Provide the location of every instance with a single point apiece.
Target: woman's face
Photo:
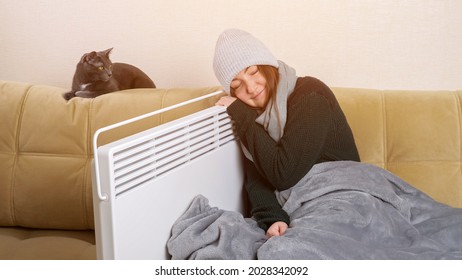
(250, 87)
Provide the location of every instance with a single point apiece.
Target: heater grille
(162, 151)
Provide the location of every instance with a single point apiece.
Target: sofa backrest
(45, 143)
(46, 153)
(413, 134)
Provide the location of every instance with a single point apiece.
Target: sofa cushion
(46, 150)
(416, 135)
(27, 244)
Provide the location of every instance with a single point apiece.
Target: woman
(286, 124)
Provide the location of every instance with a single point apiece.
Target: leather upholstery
(413, 134)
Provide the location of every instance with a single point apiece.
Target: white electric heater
(144, 182)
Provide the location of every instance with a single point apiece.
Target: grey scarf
(274, 118)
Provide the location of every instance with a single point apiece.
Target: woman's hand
(225, 101)
(276, 229)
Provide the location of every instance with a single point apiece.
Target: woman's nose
(251, 86)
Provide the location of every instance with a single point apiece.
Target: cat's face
(97, 65)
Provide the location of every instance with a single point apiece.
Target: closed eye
(235, 84)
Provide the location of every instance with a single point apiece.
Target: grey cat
(96, 75)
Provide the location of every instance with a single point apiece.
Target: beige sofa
(46, 209)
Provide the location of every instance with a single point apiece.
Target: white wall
(387, 44)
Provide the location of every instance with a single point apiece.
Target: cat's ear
(107, 52)
(88, 56)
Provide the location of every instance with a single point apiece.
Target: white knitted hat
(236, 50)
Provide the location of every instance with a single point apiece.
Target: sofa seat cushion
(23, 244)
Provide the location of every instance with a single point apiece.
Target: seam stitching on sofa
(162, 105)
(459, 102)
(87, 162)
(44, 154)
(384, 140)
(422, 161)
(16, 156)
(460, 133)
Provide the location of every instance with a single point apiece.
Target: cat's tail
(69, 95)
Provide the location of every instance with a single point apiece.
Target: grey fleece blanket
(339, 210)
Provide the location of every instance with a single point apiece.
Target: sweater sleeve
(264, 206)
(285, 162)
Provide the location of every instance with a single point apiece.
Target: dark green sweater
(316, 131)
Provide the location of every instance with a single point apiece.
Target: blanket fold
(205, 232)
(339, 210)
